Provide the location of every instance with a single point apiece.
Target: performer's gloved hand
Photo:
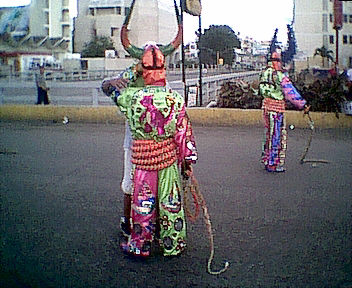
(109, 86)
(306, 109)
(186, 169)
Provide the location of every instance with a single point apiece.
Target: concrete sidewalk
(199, 116)
(61, 202)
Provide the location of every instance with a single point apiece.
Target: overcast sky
(254, 18)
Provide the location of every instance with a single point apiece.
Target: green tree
(323, 52)
(218, 42)
(97, 46)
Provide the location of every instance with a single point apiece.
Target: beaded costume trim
(274, 105)
(152, 155)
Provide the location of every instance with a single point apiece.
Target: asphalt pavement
(61, 202)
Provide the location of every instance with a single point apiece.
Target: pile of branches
(324, 95)
(239, 94)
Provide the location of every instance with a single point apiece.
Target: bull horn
(171, 47)
(134, 51)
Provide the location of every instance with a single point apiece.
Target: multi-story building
(191, 52)
(149, 21)
(313, 25)
(51, 18)
(35, 34)
(252, 54)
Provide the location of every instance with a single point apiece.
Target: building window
(345, 18)
(91, 11)
(350, 18)
(331, 39)
(114, 31)
(344, 39)
(46, 18)
(65, 32)
(350, 39)
(325, 23)
(331, 18)
(325, 5)
(127, 10)
(118, 10)
(105, 11)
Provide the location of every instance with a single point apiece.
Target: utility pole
(200, 91)
(337, 48)
(183, 60)
(338, 14)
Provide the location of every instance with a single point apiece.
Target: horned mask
(152, 55)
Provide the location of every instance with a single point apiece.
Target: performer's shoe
(124, 226)
(131, 250)
(280, 169)
(275, 169)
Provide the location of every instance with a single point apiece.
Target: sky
(257, 19)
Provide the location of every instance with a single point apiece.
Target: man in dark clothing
(41, 87)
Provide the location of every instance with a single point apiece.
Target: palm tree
(324, 53)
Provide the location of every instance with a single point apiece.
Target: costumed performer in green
(275, 87)
(163, 144)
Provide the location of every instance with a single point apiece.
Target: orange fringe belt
(152, 155)
(270, 104)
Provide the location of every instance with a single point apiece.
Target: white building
(191, 51)
(40, 33)
(149, 21)
(313, 26)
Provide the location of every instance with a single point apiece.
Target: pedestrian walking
(42, 88)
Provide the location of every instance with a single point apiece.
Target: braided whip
(303, 160)
(191, 185)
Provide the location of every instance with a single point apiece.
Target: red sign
(338, 14)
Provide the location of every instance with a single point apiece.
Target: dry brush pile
(240, 94)
(324, 94)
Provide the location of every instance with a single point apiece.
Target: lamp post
(200, 63)
(183, 61)
(338, 14)
(195, 10)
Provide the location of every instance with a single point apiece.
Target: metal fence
(79, 75)
(22, 90)
(211, 85)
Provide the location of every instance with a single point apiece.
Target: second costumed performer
(276, 87)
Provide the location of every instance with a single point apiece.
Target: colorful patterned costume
(275, 87)
(162, 139)
(162, 142)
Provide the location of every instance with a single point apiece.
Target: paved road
(61, 202)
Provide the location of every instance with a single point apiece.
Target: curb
(198, 116)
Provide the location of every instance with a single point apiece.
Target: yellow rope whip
(191, 186)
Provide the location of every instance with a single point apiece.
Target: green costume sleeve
(124, 102)
(270, 84)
